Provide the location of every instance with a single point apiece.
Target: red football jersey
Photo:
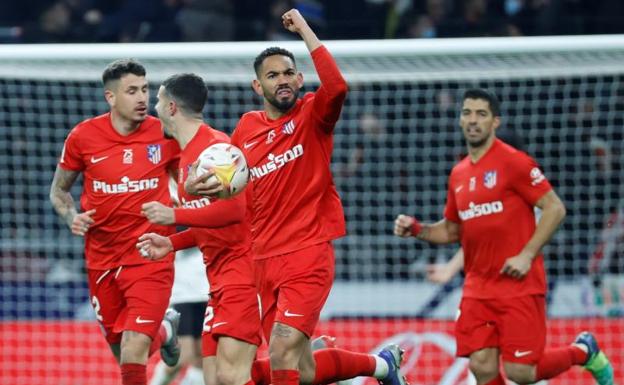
(493, 201)
(120, 174)
(295, 203)
(227, 249)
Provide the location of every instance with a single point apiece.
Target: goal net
(398, 138)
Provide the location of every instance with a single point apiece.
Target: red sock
(556, 361)
(160, 337)
(337, 364)
(261, 372)
(284, 377)
(133, 374)
(499, 380)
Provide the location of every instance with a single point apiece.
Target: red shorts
(516, 326)
(131, 297)
(293, 287)
(233, 311)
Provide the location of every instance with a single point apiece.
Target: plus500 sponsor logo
(195, 203)
(276, 162)
(475, 211)
(126, 186)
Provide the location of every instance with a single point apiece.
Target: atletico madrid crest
(153, 153)
(489, 179)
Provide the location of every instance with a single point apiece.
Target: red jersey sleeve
(71, 158)
(182, 240)
(450, 210)
(528, 180)
(220, 213)
(330, 96)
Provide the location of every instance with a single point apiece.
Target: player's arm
(331, 94)
(444, 272)
(553, 212)
(223, 212)
(63, 202)
(441, 232)
(155, 246)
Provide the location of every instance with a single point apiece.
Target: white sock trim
(381, 368)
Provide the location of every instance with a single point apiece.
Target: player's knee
(483, 369)
(519, 373)
(134, 347)
(230, 375)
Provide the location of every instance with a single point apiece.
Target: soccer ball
(229, 166)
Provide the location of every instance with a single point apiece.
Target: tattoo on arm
(281, 330)
(59, 194)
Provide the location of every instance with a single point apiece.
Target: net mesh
(395, 144)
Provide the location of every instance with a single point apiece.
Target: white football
(229, 166)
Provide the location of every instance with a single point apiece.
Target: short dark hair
(271, 51)
(119, 68)
(490, 97)
(188, 91)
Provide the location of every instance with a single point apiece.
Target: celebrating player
(296, 213)
(232, 323)
(489, 209)
(125, 161)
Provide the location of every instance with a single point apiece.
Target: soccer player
(232, 324)
(296, 213)
(188, 296)
(125, 161)
(490, 204)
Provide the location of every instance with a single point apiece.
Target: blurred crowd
(67, 21)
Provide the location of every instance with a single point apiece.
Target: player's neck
(186, 131)
(123, 126)
(476, 153)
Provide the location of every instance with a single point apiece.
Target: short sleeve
(71, 158)
(528, 180)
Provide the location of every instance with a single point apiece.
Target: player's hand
(518, 266)
(81, 222)
(403, 225)
(293, 21)
(157, 213)
(440, 273)
(202, 185)
(154, 246)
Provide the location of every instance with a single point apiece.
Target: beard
(283, 105)
(167, 135)
(477, 142)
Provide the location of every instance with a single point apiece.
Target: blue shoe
(597, 362)
(170, 349)
(393, 355)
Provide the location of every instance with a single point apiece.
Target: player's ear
(299, 79)
(257, 87)
(496, 122)
(173, 108)
(110, 97)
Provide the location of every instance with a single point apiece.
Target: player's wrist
(416, 227)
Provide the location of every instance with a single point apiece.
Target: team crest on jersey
(153, 153)
(289, 128)
(489, 179)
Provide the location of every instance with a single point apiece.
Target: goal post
(397, 139)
